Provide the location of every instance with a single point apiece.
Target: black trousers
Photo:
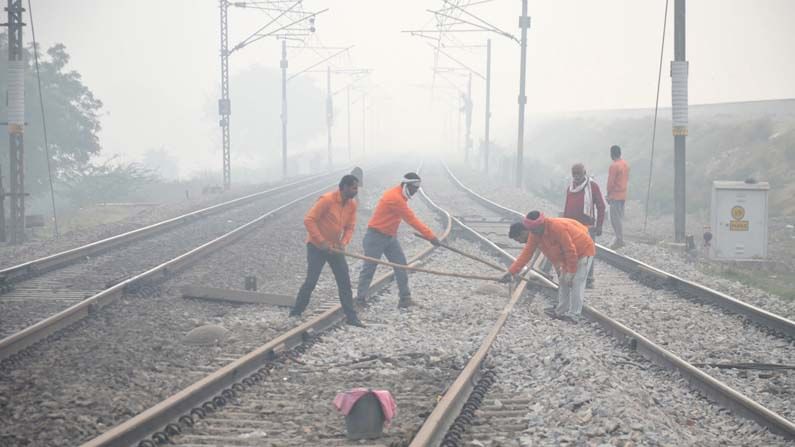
(315, 260)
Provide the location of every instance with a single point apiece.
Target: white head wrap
(409, 181)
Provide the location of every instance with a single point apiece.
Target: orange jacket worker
(567, 245)
(330, 223)
(617, 181)
(381, 237)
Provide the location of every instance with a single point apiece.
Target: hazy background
(155, 66)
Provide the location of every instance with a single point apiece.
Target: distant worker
(330, 224)
(381, 236)
(585, 204)
(567, 245)
(617, 181)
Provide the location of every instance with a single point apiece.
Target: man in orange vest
(617, 180)
(381, 236)
(330, 224)
(567, 245)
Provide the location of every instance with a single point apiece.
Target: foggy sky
(154, 64)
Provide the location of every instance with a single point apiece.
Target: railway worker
(567, 245)
(585, 204)
(617, 180)
(330, 224)
(381, 236)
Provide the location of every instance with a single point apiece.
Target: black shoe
(405, 303)
(360, 301)
(589, 284)
(295, 314)
(355, 321)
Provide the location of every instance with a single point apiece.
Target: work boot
(360, 301)
(551, 313)
(570, 319)
(294, 313)
(405, 302)
(354, 321)
(617, 244)
(589, 283)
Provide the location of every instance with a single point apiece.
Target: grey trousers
(593, 238)
(570, 298)
(617, 219)
(376, 244)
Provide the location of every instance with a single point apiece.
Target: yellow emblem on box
(738, 212)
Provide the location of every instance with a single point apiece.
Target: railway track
(279, 393)
(50, 293)
(490, 413)
(136, 348)
(269, 395)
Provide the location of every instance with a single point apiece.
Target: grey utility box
(739, 220)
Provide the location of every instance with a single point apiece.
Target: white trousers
(570, 297)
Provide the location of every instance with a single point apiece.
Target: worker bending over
(567, 245)
(381, 236)
(330, 224)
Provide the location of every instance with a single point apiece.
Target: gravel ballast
(412, 353)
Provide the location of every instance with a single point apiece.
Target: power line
(43, 120)
(654, 126)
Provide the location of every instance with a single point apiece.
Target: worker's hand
(567, 278)
(323, 246)
(507, 278)
(597, 231)
(339, 246)
(435, 241)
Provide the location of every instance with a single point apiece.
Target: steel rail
(40, 330)
(159, 416)
(713, 388)
(36, 267)
(449, 406)
(686, 288)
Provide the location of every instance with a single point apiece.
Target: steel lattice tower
(224, 104)
(16, 119)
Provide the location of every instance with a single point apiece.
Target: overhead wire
(654, 126)
(43, 120)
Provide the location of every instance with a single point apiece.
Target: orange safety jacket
(391, 208)
(331, 221)
(564, 242)
(617, 180)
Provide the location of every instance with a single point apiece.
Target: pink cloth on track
(344, 401)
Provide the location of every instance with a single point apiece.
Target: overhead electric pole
(16, 120)
(524, 24)
(488, 108)
(284, 107)
(224, 104)
(679, 74)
